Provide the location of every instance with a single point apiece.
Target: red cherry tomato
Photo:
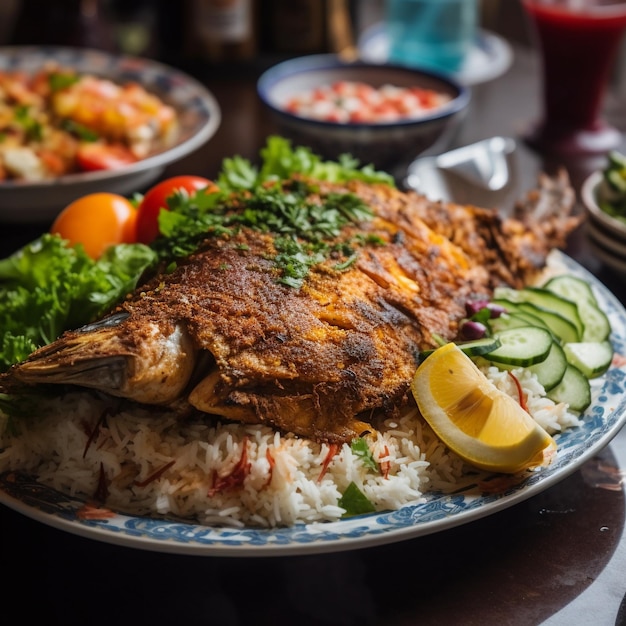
(97, 220)
(156, 199)
(99, 156)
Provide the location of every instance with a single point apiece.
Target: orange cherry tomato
(92, 157)
(156, 199)
(97, 221)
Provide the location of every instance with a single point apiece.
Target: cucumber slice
(480, 346)
(551, 370)
(514, 320)
(532, 320)
(522, 346)
(545, 300)
(596, 324)
(471, 348)
(573, 288)
(574, 389)
(562, 328)
(506, 321)
(592, 358)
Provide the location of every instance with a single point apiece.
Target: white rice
(286, 482)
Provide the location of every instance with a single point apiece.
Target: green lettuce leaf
(280, 160)
(47, 287)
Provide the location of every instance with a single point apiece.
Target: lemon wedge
(483, 425)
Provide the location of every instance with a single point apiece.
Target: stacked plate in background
(607, 235)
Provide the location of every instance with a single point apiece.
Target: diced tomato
(357, 102)
(93, 156)
(53, 162)
(362, 116)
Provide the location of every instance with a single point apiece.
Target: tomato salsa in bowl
(385, 115)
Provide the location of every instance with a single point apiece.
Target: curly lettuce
(280, 161)
(48, 287)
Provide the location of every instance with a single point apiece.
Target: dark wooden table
(558, 558)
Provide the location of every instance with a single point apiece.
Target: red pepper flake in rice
(235, 477)
(272, 464)
(92, 432)
(102, 490)
(333, 448)
(385, 464)
(520, 392)
(154, 476)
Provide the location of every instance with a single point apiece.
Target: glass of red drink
(578, 41)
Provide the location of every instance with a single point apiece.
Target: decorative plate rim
(602, 421)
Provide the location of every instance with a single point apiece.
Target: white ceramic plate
(602, 421)
(489, 57)
(198, 111)
(612, 245)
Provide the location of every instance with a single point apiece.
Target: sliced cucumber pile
(580, 330)
(557, 330)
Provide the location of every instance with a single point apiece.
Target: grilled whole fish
(223, 335)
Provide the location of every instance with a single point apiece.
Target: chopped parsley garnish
(361, 449)
(305, 224)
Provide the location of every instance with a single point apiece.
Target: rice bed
(158, 464)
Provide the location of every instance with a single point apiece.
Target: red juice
(579, 41)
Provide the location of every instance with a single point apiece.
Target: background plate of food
(75, 121)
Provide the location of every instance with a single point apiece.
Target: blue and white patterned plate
(198, 113)
(602, 421)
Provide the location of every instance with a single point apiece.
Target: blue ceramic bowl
(385, 144)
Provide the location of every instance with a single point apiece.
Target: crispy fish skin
(320, 361)
(513, 250)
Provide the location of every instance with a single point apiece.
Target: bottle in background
(223, 30)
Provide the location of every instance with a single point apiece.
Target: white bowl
(385, 144)
(589, 192)
(606, 234)
(198, 113)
